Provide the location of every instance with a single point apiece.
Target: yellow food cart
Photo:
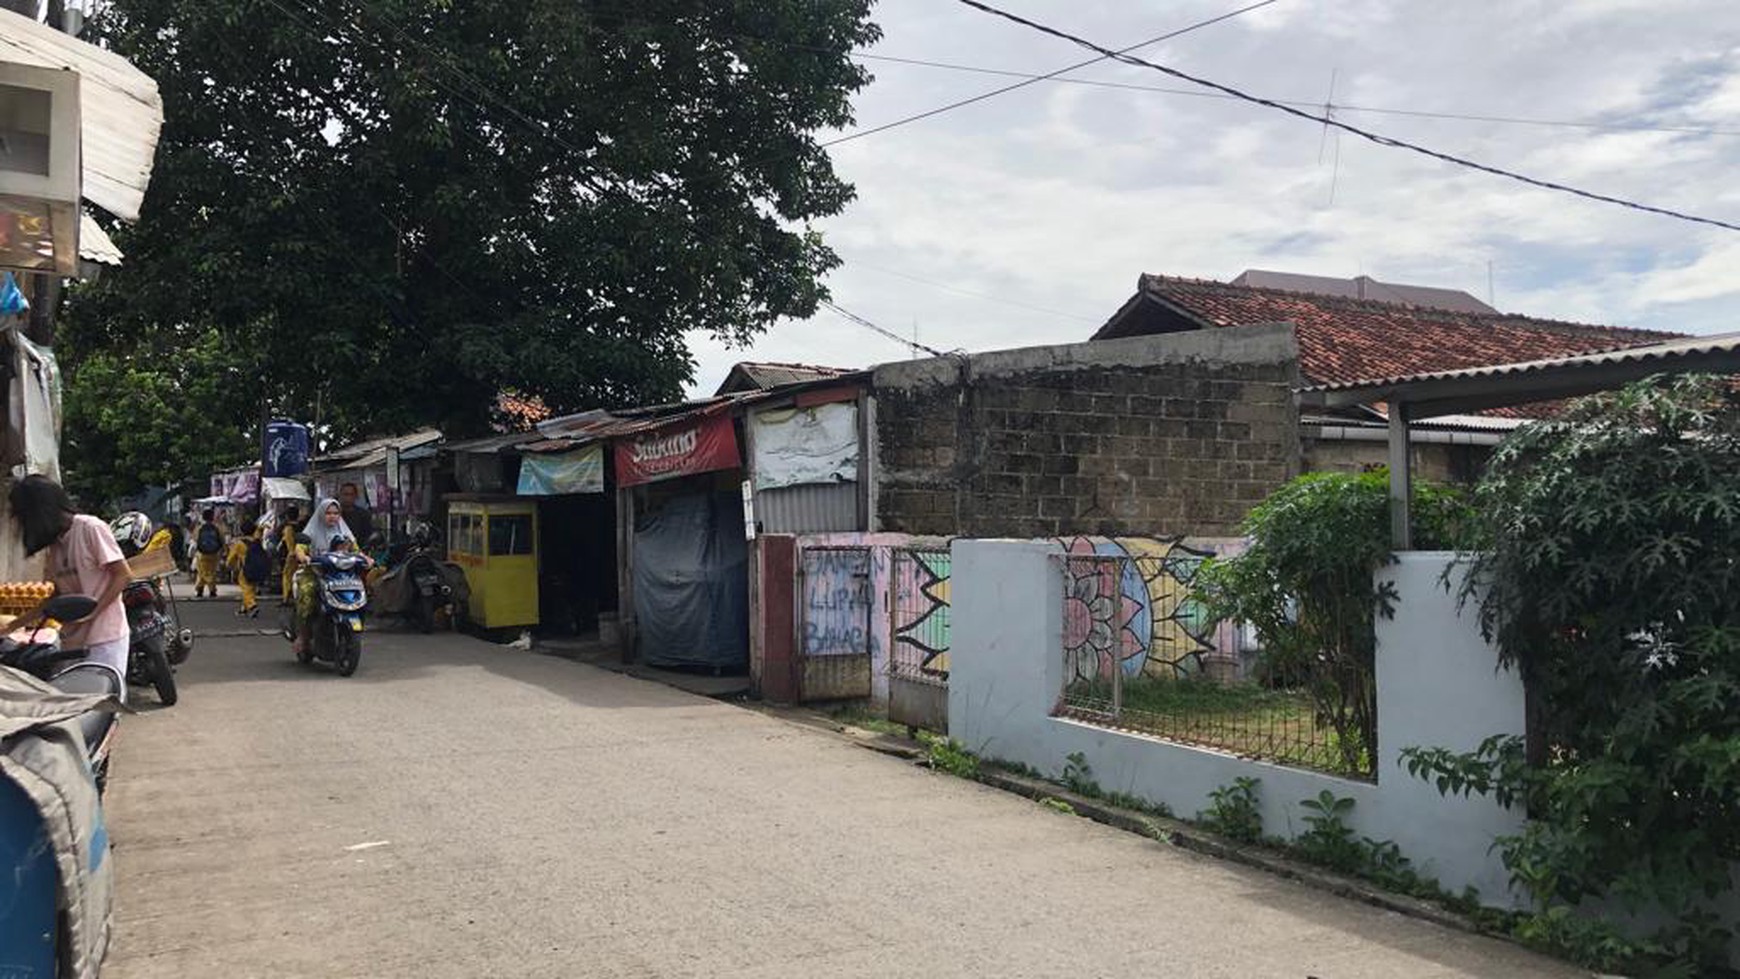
(495, 539)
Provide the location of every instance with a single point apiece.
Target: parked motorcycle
(340, 601)
(56, 889)
(132, 532)
(421, 587)
(36, 650)
(148, 641)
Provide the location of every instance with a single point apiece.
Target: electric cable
(1376, 110)
(1326, 120)
(1035, 79)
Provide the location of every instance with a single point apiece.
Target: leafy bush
(1232, 811)
(1610, 580)
(949, 755)
(1305, 584)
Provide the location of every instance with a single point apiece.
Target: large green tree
(390, 210)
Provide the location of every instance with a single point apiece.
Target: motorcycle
(148, 643)
(341, 599)
(420, 586)
(38, 935)
(132, 532)
(36, 650)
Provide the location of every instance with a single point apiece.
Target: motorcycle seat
(91, 678)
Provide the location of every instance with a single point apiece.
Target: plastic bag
(12, 299)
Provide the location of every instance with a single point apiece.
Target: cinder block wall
(1151, 435)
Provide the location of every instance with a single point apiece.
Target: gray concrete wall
(1149, 436)
(1438, 684)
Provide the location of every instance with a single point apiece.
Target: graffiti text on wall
(837, 601)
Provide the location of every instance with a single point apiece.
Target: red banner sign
(683, 448)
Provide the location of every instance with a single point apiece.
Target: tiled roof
(1344, 340)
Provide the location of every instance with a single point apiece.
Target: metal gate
(835, 602)
(919, 634)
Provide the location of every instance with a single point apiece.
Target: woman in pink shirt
(83, 559)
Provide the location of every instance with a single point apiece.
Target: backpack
(256, 563)
(211, 540)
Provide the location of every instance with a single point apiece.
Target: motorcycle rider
(83, 559)
(324, 527)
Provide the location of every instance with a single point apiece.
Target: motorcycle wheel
(423, 613)
(349, 652)
(162, 675)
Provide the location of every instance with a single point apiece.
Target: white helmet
(131, 529)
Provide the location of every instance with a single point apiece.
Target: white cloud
(1059, 196)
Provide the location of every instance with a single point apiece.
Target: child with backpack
(208, 553)
(251, 567)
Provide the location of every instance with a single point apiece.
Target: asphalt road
(460, 809)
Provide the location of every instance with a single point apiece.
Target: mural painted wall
(920, 629)
(832, 593)
(890, 595)
(1132, 608)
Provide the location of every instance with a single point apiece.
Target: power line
(1339, 107)
(982, 96)
(890, 334)
(1366, 134)
(976, 295)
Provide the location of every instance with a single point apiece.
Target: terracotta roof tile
(1343, 339)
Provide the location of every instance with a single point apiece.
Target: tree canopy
(390, 210)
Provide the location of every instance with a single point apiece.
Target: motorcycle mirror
(69, 608)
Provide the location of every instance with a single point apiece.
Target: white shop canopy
(120, 110)
(281, 488)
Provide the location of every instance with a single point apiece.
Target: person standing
(250, 566)
(208, 546)
(292, 523)
(356, 516)
(83, 559)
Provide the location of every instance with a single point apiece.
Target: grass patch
(1245, 718)
(860, 716)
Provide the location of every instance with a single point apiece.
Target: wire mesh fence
(1123, 672)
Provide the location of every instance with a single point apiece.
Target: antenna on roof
(1328, 114)
(1491, 295)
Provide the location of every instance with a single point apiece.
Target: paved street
(459, 809)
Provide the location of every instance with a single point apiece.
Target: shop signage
(683, 448)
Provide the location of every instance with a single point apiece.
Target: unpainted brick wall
(1111, 449)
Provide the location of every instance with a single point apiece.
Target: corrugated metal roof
(754, 376)
(357, 450)
(94, 244)
(1664, 353)
(120, 110)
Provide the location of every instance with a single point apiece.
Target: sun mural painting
(1133, 612)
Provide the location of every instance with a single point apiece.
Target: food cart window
(510, 533)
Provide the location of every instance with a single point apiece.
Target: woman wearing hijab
(325, 525)
(83, 559)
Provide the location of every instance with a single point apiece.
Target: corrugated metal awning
(1470, 389)
(120, 110)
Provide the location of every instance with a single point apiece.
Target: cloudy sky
(1025, 219)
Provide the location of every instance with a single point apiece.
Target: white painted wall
(1438, 684)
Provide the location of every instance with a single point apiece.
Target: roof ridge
(1150, 279)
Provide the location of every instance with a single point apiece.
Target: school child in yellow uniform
(238, 561)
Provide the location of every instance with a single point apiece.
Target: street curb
(1185, 836)
(1160, 829)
